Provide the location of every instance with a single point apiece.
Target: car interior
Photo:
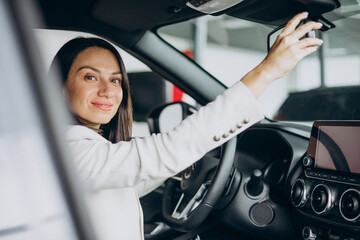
(293, 175)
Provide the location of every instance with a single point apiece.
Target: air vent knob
(309, 233)
(308, 161)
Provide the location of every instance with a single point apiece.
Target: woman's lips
(103, 106)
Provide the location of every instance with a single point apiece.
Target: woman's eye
(91, 78)
(116, 81)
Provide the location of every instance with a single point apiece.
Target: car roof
(125, 21)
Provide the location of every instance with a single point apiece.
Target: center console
(327, 193)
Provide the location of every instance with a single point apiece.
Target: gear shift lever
(255, 185)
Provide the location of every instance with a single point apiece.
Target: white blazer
(117, 174)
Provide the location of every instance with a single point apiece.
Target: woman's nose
(105, 89)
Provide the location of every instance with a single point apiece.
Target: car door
(39, 195)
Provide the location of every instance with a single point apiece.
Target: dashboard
(327, 192)
(297, 182)
(290, 181)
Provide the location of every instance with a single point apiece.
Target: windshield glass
(323, 86)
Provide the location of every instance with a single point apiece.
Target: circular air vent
(321, 199)
(298, 193)
(350, 205)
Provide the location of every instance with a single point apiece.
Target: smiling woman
(97, 86)
(93, 88)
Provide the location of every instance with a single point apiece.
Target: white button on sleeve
(216, 138)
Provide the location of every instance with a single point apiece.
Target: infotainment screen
(336, 146)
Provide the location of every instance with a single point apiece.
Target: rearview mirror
(167, 117)
(271, 38)
(275, 33)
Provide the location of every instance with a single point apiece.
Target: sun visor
(212, 6)
(278, 12)
(144, 14)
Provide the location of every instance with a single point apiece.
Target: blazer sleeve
(105, 165)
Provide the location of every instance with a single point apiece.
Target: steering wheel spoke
(176, 178)
(190, 205)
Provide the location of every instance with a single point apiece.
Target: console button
(334, 177)
(309, 173)
(325, 175)
(343, 179)
(334, 236)
(317, 174)
(352, 180)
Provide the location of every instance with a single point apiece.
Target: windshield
(323, 86)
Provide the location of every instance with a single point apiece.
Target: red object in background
(189, 53)
(177, 94)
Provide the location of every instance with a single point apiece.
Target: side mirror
(167, 117)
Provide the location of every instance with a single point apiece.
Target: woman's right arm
(105, 165)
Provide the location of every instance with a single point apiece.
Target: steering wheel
(200, 185)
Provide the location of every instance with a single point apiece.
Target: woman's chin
(94, 123)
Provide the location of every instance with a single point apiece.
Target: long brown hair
(120, 126)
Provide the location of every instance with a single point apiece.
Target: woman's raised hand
(289, 48)
(286, 52)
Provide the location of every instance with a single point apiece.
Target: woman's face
(93, 88)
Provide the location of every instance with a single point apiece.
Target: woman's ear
(65, 93)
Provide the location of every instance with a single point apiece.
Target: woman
(113, 164)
